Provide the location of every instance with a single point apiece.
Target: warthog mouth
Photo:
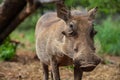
(88, 67)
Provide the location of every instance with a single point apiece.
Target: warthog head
(78, 42)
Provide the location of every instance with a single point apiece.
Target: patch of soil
(26, 67)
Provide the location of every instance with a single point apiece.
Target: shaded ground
(26, 67)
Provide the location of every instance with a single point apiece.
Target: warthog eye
(73, 30)
(71, 26)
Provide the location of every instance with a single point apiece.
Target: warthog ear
(92, 13)
(62, 11)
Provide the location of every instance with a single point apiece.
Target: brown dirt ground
(25, 67)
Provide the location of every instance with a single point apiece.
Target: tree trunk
(13, 12)
(9, 9)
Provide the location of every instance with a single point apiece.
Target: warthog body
(63, 42)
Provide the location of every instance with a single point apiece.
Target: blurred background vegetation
(107, 25)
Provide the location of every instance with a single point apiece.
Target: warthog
(66, 38)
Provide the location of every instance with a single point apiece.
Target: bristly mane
(78, 12)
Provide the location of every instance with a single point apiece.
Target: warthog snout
(87, 62)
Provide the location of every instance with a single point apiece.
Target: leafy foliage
(7, 50)
(105, 6)
(1, 1)
(75, 3)
(109, 36)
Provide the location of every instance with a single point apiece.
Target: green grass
(109, 36)
(7, 50)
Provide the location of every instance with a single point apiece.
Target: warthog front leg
(77, 73)
(45, 71)
(51, 75)
(55, 69)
